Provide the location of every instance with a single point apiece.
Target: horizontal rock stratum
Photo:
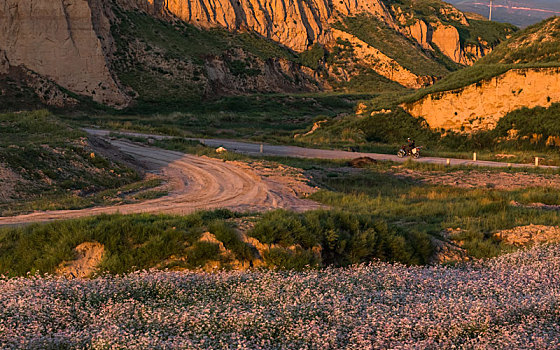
(481, 105)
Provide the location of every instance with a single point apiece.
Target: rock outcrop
(56, 39)
(446, 38)
(296, 24)
(379, 62)
(439, 30)
(4, 63)
(273, 75)
(481, 105)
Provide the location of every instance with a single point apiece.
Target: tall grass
(131, 242)
(412, 207)
(343, 237)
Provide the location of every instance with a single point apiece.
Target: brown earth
(481, 178)
(88, 256)
(529, 235)
(8, 182)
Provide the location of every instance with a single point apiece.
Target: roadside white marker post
(262, 148)
(509, 165)
(448, 162)
(474, 157)
(536, 161)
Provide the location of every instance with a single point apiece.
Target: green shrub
(131, 241)
(296, 259)
(225, 233)
(344, 238)
(202, 252)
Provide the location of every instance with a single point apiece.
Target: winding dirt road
(302, 152)
(197, 183)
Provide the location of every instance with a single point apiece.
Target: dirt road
(293, 151)
(197, 183)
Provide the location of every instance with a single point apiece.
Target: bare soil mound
(529, 235)
(88, 256)
(447, 252)
(361, 162)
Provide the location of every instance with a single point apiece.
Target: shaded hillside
(46, 164)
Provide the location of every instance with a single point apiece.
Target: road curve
(302, 152)
(197, 183)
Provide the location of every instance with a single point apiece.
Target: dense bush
(344, 238)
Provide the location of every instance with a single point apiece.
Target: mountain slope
(120, 52)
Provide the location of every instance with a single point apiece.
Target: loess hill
(138, 53)
(521, 72)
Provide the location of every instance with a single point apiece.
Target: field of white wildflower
(506, 302)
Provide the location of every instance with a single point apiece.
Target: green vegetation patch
(539, 43)
(415, 209)
(343, 238)
(395, 45)
(46, 162)
(259, 117)
(132, 242)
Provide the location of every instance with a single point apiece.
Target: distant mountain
(522, 13)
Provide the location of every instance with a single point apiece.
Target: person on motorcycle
(410, 146)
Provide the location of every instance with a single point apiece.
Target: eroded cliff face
(379, 62)
(56, 39)
(296, 24)
(435, 34)
(480, 106)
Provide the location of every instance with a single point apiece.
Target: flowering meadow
(507, 302)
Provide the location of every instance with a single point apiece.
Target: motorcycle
(415, 152)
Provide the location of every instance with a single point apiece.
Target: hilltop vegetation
(539, 43)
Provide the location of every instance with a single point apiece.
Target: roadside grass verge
(130, 193)
(132, 242)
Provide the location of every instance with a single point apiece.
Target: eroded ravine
(196, 183)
